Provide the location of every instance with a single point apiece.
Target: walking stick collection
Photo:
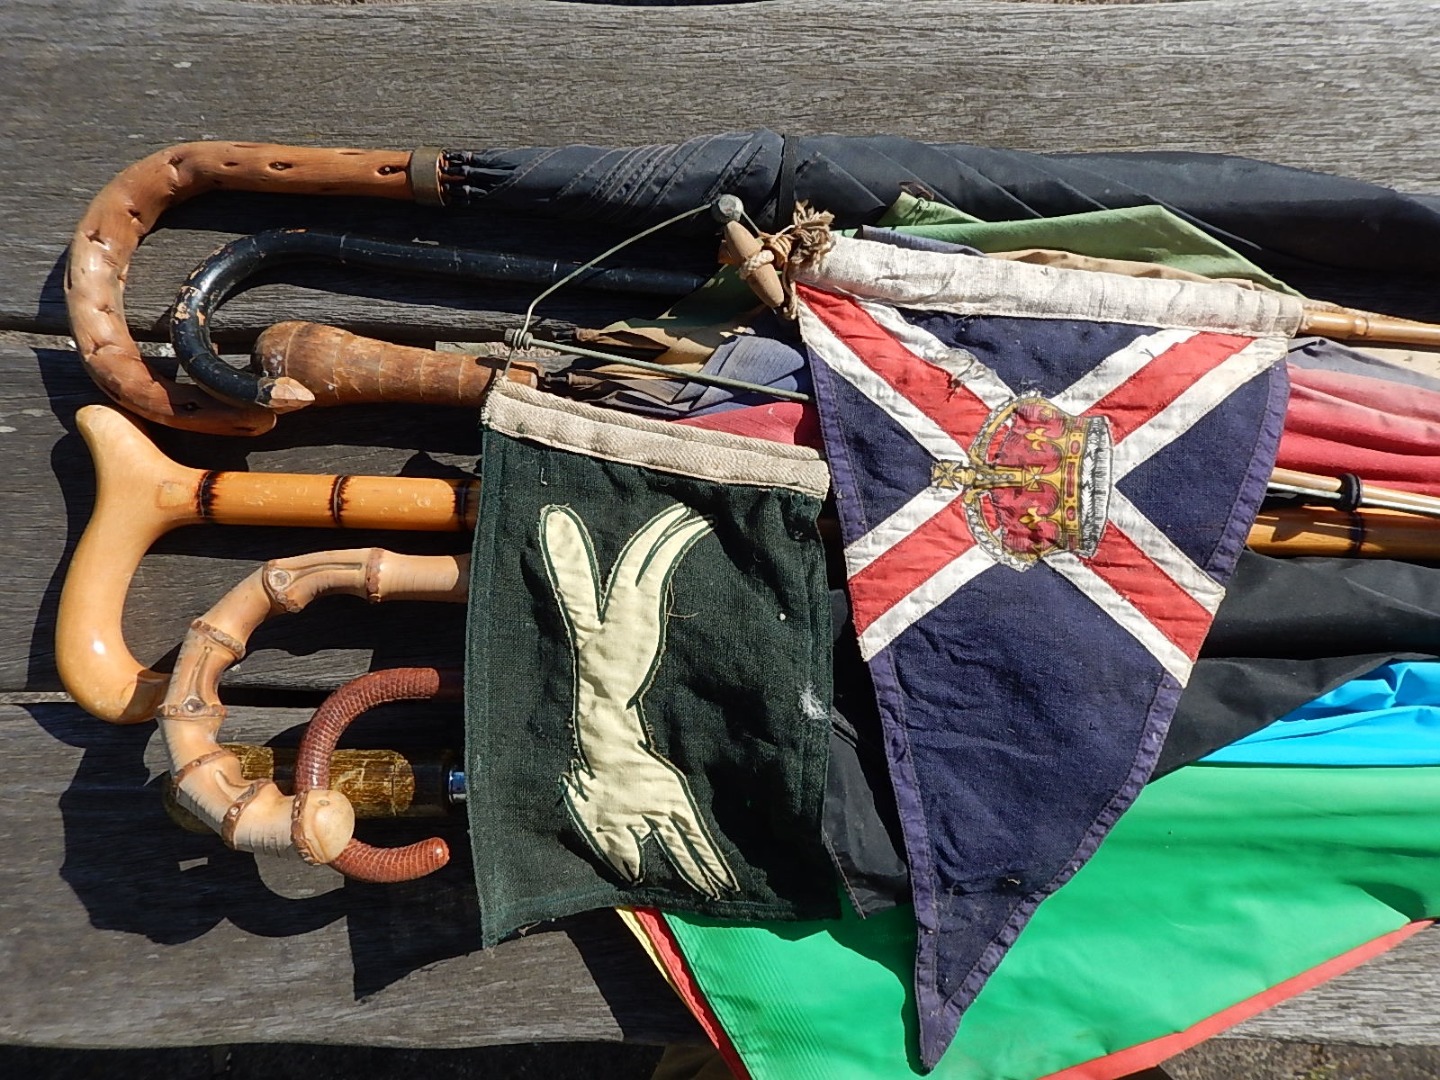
(141, 494)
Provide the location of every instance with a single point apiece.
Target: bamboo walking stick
(209, 781)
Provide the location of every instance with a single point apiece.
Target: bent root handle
(209, 781)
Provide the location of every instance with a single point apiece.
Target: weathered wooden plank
(123, 930)
(1354, 89)
(1387, 1002)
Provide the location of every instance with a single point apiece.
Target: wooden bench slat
(151, 936)
(1323, 84)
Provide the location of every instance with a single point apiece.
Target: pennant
(648, 668)
(1044, 478)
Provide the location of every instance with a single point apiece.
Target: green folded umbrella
(1221, 883)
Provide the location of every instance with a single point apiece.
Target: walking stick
(209, 780)
(397, 374)
(140, 494)
(128, 207)
(312, 770)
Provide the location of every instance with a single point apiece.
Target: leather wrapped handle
(127, 208)
(358, 859)
(341, 368)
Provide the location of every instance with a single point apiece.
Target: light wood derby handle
(126, 210)
(140, 494)
(359, 860)
(340, 368)
(209, 780)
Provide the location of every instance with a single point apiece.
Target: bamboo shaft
(210, 781)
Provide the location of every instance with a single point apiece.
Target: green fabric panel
(736, 698)
(1219, 883)
(1139, 233)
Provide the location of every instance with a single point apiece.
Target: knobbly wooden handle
(209, 780)
(341, 368)
(126, 210)
(312, 771)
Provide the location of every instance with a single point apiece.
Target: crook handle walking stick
(127, 208)
(209, 780)
(358, 859)
(228, 268)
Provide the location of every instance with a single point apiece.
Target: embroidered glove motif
(620, 792)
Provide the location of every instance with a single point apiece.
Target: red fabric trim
(1149, 1054)
(668, 949)
(782, 422)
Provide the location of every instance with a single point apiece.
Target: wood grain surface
(121, 931)
(1325, 84)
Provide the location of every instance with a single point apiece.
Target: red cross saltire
(1044, 479)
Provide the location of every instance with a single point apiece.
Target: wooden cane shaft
(341, 368)
(1408, 500)
(210, 781)
(413, 504)
(1321, 531)
(140, 494)
(378, 783)
(1365, 326)
(127, 208)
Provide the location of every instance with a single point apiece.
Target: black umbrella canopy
(1282, 218)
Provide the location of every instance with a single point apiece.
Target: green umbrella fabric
(1219, 884)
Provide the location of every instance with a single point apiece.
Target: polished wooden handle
(127, 208)
(341, 368)
(140, 494)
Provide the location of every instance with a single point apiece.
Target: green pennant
(648, 668)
